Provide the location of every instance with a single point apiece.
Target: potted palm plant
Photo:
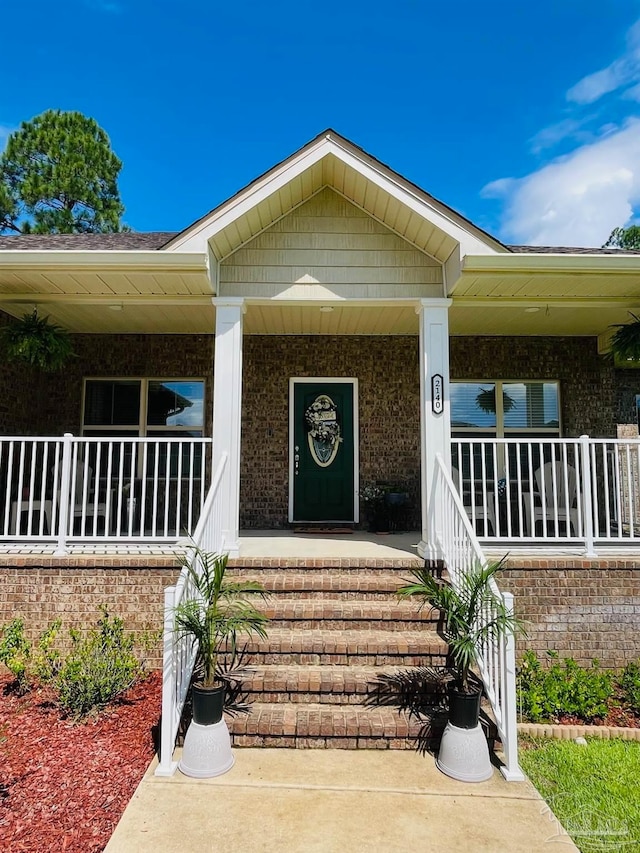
(473, 613)
(216, 613)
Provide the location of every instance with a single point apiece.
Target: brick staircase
(334, 626)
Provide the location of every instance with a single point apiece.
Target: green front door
(323, 451)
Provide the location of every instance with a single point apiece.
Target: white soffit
(541, 276)
(332, 161)
(51, 275)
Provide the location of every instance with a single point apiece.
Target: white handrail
(101, 488)
(461, 551)
(179, 653)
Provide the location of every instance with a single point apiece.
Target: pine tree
(58, 175)
(624, 238)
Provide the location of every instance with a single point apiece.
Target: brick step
(317, 726)
(315, 583)
(360, 647)
(342, 685)
(325, 565)
(345, 614)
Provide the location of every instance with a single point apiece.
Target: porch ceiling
(278, 319)
(150, 292)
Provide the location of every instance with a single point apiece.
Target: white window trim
(142, 428)
(499, 431)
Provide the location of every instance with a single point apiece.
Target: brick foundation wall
(578, 610)
(74, 594)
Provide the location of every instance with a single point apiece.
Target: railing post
(587, 497)
(511, 769)
(167, 766)
(65, 488)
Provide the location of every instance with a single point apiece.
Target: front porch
(549, 494)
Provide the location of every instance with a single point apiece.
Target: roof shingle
(125, 240)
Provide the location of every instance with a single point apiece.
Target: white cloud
(568, 128)
(622, 72)
(577, 199)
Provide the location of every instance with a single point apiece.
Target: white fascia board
(199, 234)
(519, 262)
(71, 259)
(469, 243)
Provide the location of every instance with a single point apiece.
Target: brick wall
(33, 403)
(587, 381)
(594, 397)
(577, 609)
(74, 594)
(389, 408)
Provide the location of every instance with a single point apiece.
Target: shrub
(29, 666)
(562, 689)
(100, 666)
(15, 653)
(630, 686)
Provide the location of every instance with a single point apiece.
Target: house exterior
(329, 329)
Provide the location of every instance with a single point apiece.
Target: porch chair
(77, 483)
(478, 510)
(561, 506)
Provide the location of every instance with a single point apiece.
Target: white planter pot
(206, 751)
(464, 754)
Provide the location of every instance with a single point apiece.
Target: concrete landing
(332, 801)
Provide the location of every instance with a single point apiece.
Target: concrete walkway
(335, 801)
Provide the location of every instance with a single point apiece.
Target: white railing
(179, 653)
(461, 551)
(614, 497)
(76, 489)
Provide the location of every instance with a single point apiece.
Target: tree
(58, 175)
(624, 238)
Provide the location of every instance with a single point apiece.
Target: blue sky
(525, 117)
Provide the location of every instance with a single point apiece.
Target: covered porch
(329, 271)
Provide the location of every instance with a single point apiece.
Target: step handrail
(461, 550)
(179, 652)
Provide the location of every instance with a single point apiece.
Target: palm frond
(218, 610)
(473, 612)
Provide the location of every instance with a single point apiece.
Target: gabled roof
(330, 160)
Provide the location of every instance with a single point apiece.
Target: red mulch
(65, 785)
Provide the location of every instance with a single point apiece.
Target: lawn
(593, 790)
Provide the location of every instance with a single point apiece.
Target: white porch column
(435, 411)
(227, 411)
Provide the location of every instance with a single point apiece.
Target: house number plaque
(437, 401)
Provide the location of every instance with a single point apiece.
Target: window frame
(143, 429)
(500, 431)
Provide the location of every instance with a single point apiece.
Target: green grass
(592, 790)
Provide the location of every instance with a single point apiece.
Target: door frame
(329, 380)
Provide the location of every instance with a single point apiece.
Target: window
(146, 407)
(155, 408)
(525, 410)
(505, 409)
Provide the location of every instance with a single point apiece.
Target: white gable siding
(328, 246)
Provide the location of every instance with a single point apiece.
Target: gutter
(71, 259)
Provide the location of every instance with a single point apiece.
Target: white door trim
(334, 380)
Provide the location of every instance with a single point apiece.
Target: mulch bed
(65, 785)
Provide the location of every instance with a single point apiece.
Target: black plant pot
(464, 708)
(208, 703)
